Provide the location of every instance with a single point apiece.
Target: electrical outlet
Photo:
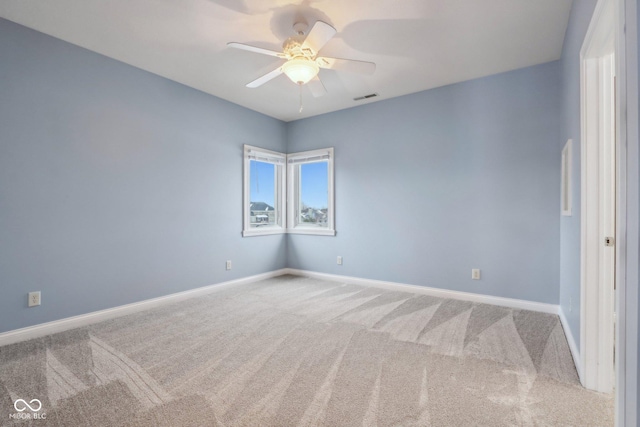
(339, 260)
(228, 266)
(475, 274)
(34, 299)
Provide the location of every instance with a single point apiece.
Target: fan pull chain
(300, 111)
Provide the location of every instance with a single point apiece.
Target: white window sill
(314, 231)
(263, 232)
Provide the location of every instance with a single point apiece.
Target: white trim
(263, 155)
(260, 231)
(573, 347)
(286, 186)
(61, 325)
(425, 290)
(308, 230)
(278, 160)
(294, 161)
(596, 261)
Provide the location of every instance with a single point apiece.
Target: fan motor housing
(292, 48)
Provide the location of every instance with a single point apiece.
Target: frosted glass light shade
(300, 71)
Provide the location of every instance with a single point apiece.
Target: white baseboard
(61, 325)
(575, 353)
(442, 293)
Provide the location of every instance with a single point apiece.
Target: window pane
(314, 196)
(262, 196)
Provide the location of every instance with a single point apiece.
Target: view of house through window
(263, 183)
(313, 193)
(288, 193)
(310, 192)
(264, 186)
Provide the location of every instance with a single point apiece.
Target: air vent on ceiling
(360, 98)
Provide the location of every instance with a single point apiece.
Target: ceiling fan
(302, 61)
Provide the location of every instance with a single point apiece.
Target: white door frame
(626, 27)
(598, 164)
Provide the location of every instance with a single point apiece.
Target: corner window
(288, 193)
(565, 190)
(310, 192)
(264, 189)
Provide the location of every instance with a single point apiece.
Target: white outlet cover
(475, 274)
(34, 299)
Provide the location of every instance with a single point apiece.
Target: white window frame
(293, 185)
(565, 189)
(279, 160)
(287, 194)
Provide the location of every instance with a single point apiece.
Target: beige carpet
(295, 351)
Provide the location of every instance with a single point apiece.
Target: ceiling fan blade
(235, 5)
(262, 80)
(351, 65)
(316, 87)
(247, 7)
(255, 49)
(319, 35)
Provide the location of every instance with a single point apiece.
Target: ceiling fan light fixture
(300, 70)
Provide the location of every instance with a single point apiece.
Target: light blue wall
(581, 13)
(116, 185)
(431, 185)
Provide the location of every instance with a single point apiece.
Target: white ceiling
(416, 44)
